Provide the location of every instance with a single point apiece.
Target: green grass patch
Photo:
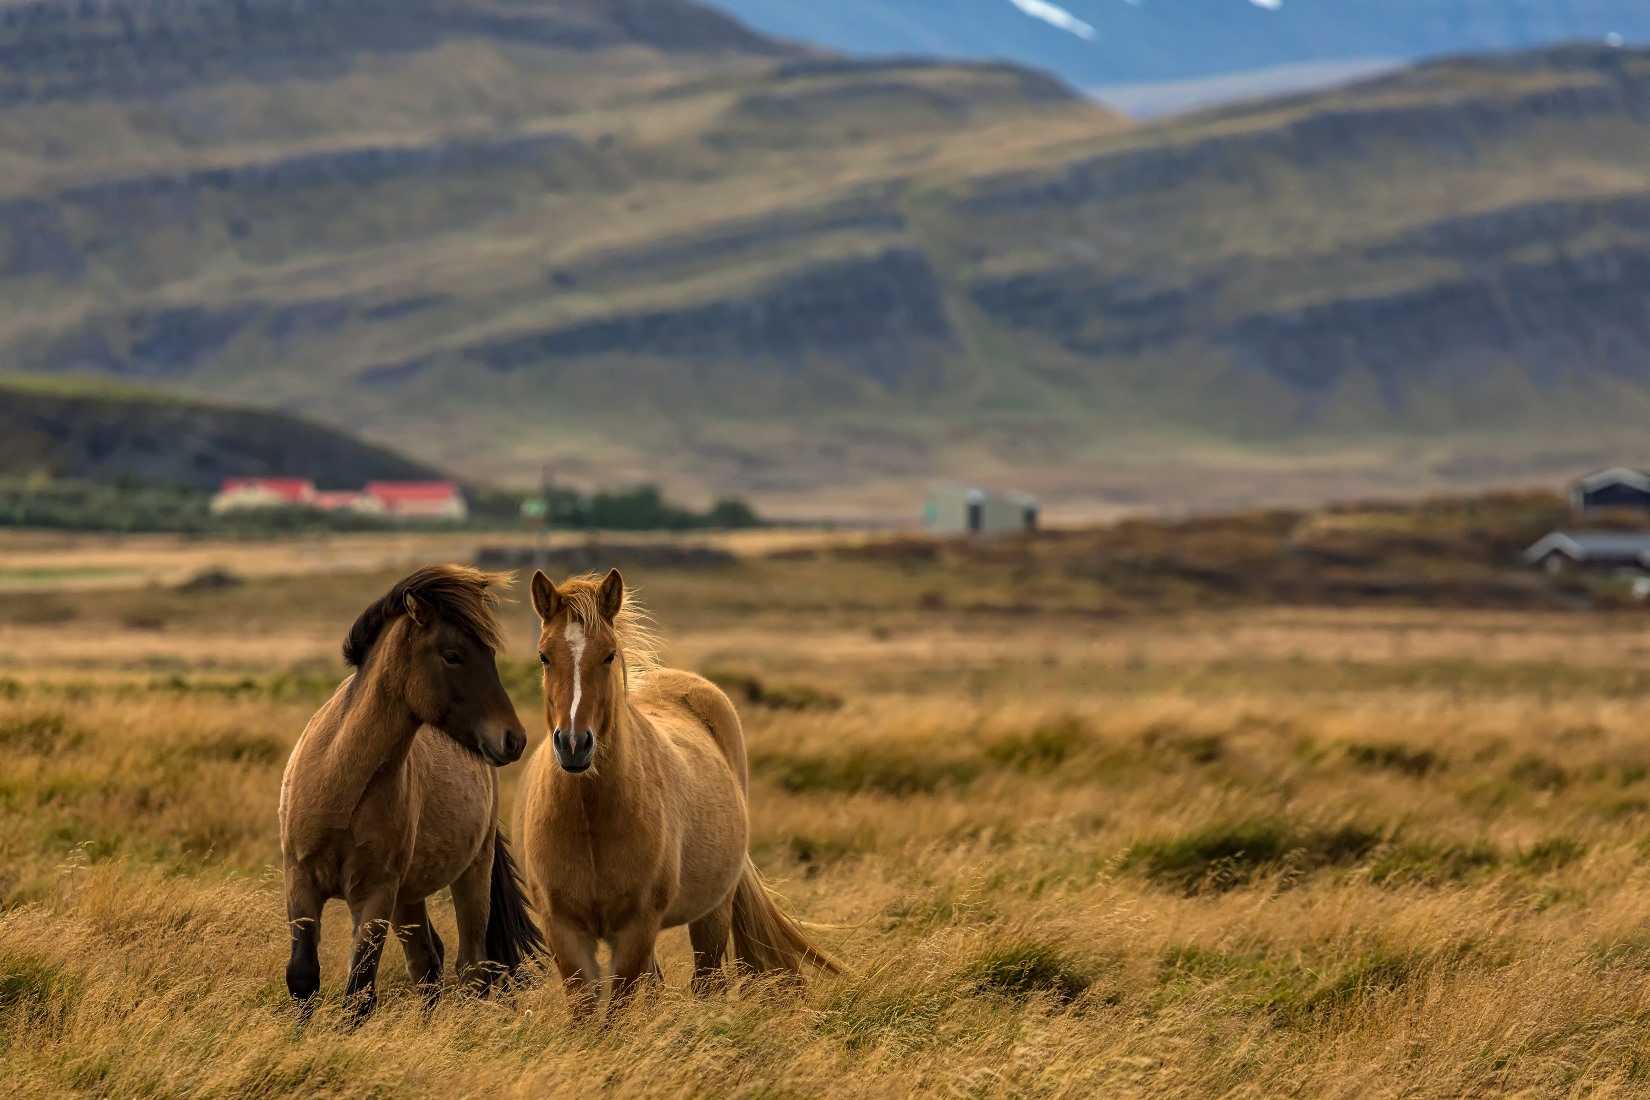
(1040, 750)
(863, 1016)
(1025, 967)
(1413, 762)
(890, 771)
(1552, 853)
(31, 986)
(45, 733)
(747, 688)
(1371, 974)
(1427, 863)
(1539, 773)
(1293, 991)
(1223, 857)
(240, 748)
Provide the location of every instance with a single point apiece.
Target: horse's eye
(610, 657)
(544, 658)
(452, 658)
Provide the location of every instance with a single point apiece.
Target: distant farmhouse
(397, 500)
(1592, 551)
(1613, 490)
(1617, 487)
(960, 510)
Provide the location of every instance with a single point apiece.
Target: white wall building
(964, 510)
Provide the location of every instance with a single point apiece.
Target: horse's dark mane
(459, 594)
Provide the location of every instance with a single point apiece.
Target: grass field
(1258, 851)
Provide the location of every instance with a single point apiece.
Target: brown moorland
(1186, 847)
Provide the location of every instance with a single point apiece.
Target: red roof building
(341, 500)
(408, 500)
(240, 493)
(418, 499)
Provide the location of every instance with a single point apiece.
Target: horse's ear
(545, 598)
(611, 597)
(418, 609)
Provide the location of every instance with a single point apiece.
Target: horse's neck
(619, 775)
(375, 731)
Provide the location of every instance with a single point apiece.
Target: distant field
(1172, 849)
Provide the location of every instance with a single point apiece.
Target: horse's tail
(765, 937)
(512, 937)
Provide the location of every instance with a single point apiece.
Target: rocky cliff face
(1378, 247)
(88, 49)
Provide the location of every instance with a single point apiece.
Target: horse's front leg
(303, 913)
(633, 960)
(372, 907)
(574, 952)
(472, 905)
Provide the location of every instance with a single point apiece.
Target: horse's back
(686, 707)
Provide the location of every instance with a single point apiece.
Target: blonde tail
(765, 938)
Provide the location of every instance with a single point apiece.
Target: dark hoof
(305, 1008)
(358, 1008)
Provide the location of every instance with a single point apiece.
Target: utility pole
(541, 551)
(536, 511)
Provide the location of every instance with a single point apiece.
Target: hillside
(642, 243)
(1097, 43)
(107, 434)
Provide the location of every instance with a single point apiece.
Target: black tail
(512, 937)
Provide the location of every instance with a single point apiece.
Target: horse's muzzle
(574, 751)
(514, 744)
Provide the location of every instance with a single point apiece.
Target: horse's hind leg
(709, 935)
(303, 913)
(425, 955)
(373, 910)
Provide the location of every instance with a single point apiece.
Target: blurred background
(1301, 751)
(1159, 255)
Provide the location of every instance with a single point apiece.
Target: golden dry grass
(1251, 853)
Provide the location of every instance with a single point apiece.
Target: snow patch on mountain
(1055, 16)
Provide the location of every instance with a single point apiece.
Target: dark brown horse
(391, 793)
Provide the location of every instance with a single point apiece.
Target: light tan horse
(634, 818)
(391, 793)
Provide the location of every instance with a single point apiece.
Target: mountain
(107, 434)
(1099, 43)
(502, 233)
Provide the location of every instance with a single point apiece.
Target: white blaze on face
(575, 641)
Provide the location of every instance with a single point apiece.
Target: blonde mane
(634, 625)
